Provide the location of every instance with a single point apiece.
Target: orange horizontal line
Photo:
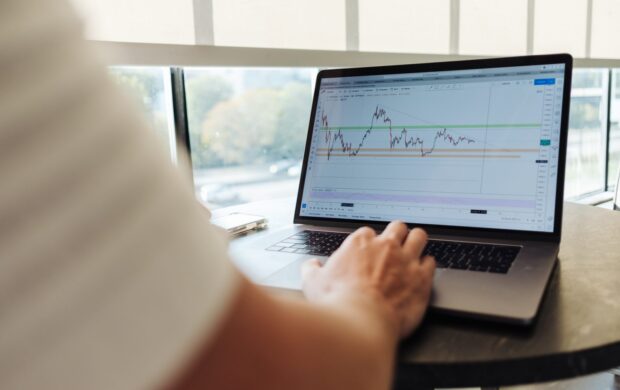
(440, 150)
(418, 156)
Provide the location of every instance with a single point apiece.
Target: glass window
(154, 21)
(150, 88)
(307, 24)
(605, 28)
(560, 34)
(585, 156)
(493, 27)
(614, 131)
(414, 26)
(248, 128)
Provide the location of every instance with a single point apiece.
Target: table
(577, 331)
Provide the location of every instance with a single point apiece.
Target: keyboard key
(314, 242)
(472, 256)
(448, 254)
(294, 241)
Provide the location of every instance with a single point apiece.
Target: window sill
(602, 199)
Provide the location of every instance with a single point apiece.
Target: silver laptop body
(472, 151)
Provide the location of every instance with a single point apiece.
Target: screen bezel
(555, 235)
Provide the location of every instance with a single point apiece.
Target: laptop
(471, 151)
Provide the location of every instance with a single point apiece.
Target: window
(247, 128)
(220, 101)
(614, 130)
(585, 164)
(150, 88)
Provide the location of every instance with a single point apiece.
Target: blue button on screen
(544, 81)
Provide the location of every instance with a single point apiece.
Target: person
(111, 276)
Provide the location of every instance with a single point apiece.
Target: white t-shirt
(111, 276)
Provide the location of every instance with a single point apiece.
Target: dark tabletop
(577, 330)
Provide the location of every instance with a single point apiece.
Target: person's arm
(111, 276)
(373, 291)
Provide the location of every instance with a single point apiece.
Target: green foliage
(239, 130)
(292, 125)
(258, 126)
(266, 123)
(202, 94)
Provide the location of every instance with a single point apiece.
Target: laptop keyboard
(311, 242)
(448, 254)
(472, 256)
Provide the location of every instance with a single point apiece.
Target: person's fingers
(395, 230)
(427, 268)
(364, 232)
(309, 268)
(428, 264)
(415, 243)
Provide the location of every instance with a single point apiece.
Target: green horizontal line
(496, 125)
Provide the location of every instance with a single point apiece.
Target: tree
(203, 93)
(238, 131)
(259, 126)
(292, 122)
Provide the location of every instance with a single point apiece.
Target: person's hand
(384, 271)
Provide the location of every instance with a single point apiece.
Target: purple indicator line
(425, 199)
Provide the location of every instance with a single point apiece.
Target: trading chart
(458, 151)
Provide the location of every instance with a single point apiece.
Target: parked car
(219, 195)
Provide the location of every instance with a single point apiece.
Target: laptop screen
(467, 148)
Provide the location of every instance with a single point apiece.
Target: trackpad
(288, 277)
